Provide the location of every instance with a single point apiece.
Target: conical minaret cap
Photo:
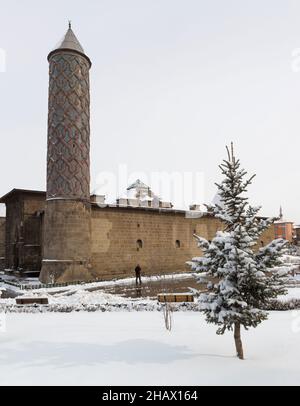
(71, 43)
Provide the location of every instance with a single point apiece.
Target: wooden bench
(175, 297)
(31, 300)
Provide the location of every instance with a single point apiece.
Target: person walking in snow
(138, 278)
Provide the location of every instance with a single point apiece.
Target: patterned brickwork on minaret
(68, 161)
(67, 223)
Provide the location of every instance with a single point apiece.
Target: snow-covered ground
(87, 294)
(292, 293)
(76, 296)
(79, 298)
(73, 289)
(290, 264)
(136, 349)
(72, 297)
(100, 284)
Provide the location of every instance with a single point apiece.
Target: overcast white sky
(172, 82)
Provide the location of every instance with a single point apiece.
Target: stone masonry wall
(2, 243)
(23, 239)
(14, 218)
(167, 241)
(33, 242)
(166, 238)
(67, 234)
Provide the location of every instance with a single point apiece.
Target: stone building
(160, 239)
(284, 228)
(2, 243)
(297, 234)
(64, 233)
(23, 236)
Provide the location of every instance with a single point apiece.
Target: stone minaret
(67, 231)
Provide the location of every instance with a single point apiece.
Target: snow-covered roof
(283, 222)
(138, 184)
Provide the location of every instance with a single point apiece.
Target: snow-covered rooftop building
(284, 228)
(140, 195)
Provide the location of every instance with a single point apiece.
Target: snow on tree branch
(241, 282)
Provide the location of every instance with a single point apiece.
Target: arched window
(139, 245)
(177, 244)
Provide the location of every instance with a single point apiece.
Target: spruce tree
(239, 269)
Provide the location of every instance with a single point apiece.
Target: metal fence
(45, 285)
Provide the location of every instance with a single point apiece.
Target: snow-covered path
(121, 348)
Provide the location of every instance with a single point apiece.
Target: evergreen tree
(242, 283)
